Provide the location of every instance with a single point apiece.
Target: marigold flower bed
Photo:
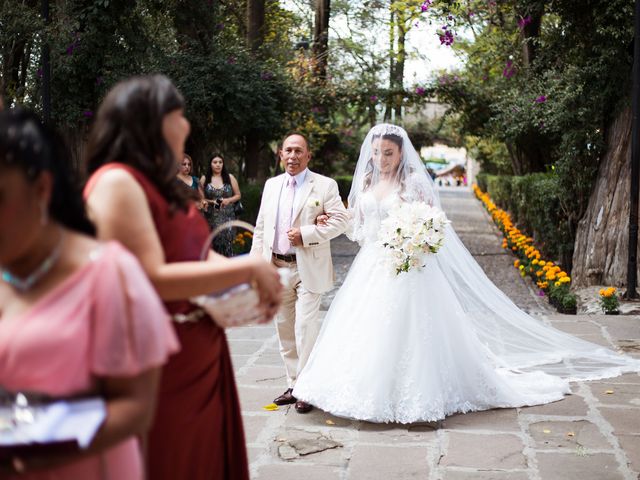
(549, 277)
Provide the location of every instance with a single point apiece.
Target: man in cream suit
(287, 235)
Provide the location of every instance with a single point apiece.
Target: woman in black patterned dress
(221, 192)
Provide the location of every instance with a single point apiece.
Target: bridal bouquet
(410, 233)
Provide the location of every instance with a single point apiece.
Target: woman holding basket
(134, 149)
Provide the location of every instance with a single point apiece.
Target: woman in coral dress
(134, 149)
(77, 317)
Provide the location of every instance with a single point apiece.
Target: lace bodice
(367, 217)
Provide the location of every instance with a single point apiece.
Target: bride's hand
(321, 220)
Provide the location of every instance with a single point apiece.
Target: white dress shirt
(300, 178)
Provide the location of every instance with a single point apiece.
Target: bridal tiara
(388, 129)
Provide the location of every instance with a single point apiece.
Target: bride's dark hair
(370, 168)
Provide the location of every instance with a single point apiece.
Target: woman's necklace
(25, 284)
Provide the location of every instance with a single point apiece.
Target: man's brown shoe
(286, 398)
(303, 407)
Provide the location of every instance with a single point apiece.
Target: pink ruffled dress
(104, 320)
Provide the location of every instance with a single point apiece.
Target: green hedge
(251, 196)
(534, 204)
(501, 188)
(481, 180)
(344, 185)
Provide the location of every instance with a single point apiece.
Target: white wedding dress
(430, 342)
(397, 348)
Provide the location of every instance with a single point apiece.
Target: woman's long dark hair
(29, 145)
(224, 173)
(128, 129)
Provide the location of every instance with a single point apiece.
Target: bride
(421, 345)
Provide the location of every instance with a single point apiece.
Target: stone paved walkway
(593, 434)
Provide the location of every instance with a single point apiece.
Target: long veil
(514, 340)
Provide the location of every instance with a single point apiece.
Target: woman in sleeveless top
(184, 174)
(221, 193)
(191, 181)
(134, 149)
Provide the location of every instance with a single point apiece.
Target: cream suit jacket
(318, 194)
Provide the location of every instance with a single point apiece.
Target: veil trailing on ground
(514, 340)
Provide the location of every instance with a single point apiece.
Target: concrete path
(593, 434)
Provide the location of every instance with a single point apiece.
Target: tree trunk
(601, 246)
(321, 38)
(399, 70)
(252, 157)
(11, 69)
(530, 148)
(255, 37)
(255, 24)
(532, 157)
(392, 64)
(76, 139)
(529, 34)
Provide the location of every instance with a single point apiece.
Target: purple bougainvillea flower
(373, 98)
(445, 78)
(541, 293)
(74, 45)
(509, 70)
(425, 5)
(446, 38)
(87, 113)
(231, 60)
(523, 22)
(541, 99)
(420, 91)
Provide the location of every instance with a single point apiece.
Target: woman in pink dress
(76, 317)
(134, 150)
